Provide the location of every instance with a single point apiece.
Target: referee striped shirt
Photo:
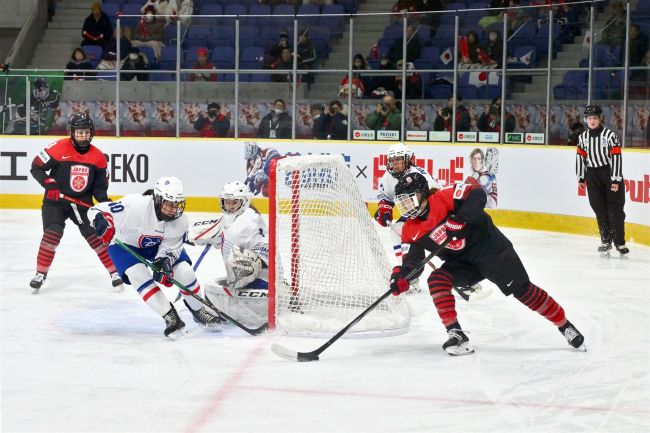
(599, 151)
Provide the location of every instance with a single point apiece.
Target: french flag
(398, 250)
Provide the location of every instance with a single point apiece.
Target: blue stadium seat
(198, 35)
(130, 9)
(94, 54)
(223, 57)
(168, 58)
(444, 37)
(234, 9)
(313, 15)
(211, 9)
(256, 10)
(523, 35)
(334, 23)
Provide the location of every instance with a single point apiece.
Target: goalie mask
(411, 194)
(235, 198)
(251, 150)
(169, 199)
(399, 159)
(81, 122)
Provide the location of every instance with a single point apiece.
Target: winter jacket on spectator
(97, 28)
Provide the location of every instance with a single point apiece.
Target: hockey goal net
(326, 262)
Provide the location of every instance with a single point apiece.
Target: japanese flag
(446, 56)
(483, 78)
(587, 40)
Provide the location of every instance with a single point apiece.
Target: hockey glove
(384, 213)
(52, 191)
(104, 227)
(398, 283)
(164, 275)
(455, 228)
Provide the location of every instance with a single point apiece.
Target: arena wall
(535, 185)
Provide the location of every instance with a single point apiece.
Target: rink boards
(536, 186)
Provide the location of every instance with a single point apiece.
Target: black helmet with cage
(81, 121)
(411, 194)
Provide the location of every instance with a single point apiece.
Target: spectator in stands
(97, 28)
(150, 31)
(638, 45)
(160, 6)
(135, 61)
(403, 6)
(413, 46)
(203, 63)
(78, 60)
(276, 124)
(469, 48)
(443, 121)
(107, 63)
(174, 10)
(425, 6)
(360, 83)
(576, 128)
(320, 3)
(306, 56)
(614, 31)
(516, 15)
(413, 82)
(275, 51)
(383, 85)
(125, 42)
(285, 62)
(213, 123)
(337, 122)
(386, 116)
(490, 120)
(494, 49)
(319, 122)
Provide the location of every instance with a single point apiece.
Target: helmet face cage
(235, 191)
(251, 150)
(41, 89)
(408, 204)
(169, 199)
(81, 121)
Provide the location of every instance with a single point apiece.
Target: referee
(599, 165)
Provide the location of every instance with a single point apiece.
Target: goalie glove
(242, 267)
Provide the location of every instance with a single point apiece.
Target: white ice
(79, 358)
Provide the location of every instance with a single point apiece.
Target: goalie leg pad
(244, 305)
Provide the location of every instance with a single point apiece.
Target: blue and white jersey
(137, 225)
(247, 231)
(388, 182)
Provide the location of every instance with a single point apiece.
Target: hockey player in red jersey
(477, 250)
(76, 168)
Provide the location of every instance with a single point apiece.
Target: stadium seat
(94, 54)
(223, 57)
(235, 9)
(130, 9)
(254, 19)
(211, 9)
(312, 17)
(198, 35)
(334, 23)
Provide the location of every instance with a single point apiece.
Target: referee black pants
(607, 205)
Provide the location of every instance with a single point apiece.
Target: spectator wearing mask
(97, 28)
(135, 61)
(150, 31)
(78, 60)
(285, 62)
(413, 46)
(213, 123)
(360, 83)
(413, 81)
(203, 63)
(276, 124)
(337, 122)
(319, 122)
(383, 84)
(490, 120)
(443, 120)
(386, 116)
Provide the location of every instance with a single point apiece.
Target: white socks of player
(458, 343)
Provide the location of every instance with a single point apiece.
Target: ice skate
(414, 287)
(206, 318)
(175, 327)
(458, 343)
(473, 293)
(604, 249)
(623, 251)
(37, 281)
(117, 282)
(573, 336)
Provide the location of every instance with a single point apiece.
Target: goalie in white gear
(242, 237)
(399, 162)
(155, 228)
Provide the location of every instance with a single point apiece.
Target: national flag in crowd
(587, 40)
(483, 78)
(446, 56)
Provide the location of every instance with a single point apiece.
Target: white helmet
(235, 191)
(251, 150)
(169, 198)
(399, 150)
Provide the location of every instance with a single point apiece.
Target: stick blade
(292, 355)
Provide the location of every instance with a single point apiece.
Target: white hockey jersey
(388, 182)
(247, 231)
(137, 225)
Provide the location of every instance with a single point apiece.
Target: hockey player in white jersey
(400, 161)
(241, 235)
(155, 226)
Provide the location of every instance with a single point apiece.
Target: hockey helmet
(41, 90)
(81, 120)
(399, 150)
(169, 198)
(593, 110)
(235, 191)
(411, 192)
(251, 150)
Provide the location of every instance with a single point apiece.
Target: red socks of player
(538, 300)
(102, 252)
(440, 282)
(46, 251)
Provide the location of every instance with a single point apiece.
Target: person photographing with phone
(213, 123)
(386, 117)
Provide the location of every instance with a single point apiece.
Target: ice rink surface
(79, 358)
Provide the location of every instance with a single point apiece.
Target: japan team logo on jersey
(147, 241)
(79, 177)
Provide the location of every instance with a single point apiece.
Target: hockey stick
(291, 355)
(207, 303)
(196, 266)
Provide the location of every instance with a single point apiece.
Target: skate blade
(118, 289)
(36, 291)
(463, 349)
(582, 348)
(177, 335)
